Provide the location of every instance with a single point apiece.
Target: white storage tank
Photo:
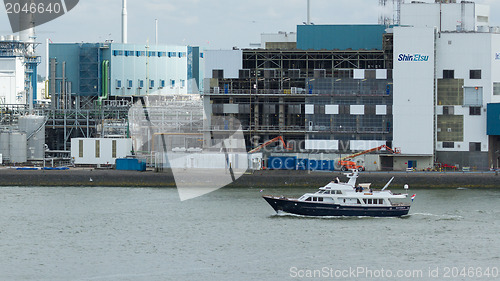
(34, 127)
(5, 145)
(18, 147)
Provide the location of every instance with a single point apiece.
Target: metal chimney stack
(124, 21)
(308, 12)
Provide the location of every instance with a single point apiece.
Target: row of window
(151, 54)
(450, 110)
(334, 109)
(473, 146)
(473, 74)
(97, 148)
(331, 192)
(315, 199)
(140, 84)
(368, 201)
(375, 201)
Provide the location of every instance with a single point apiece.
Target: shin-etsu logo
(413, 57)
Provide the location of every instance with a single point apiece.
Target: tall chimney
(124, 21)
(156, 31)
(308, 12)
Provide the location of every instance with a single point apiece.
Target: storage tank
(18, 147)
(34, 127)
(5, 145)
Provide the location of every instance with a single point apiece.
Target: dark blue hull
(326, 209)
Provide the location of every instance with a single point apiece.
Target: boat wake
(281, 214)
(439, 217)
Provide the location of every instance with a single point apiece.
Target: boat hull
(328, 209)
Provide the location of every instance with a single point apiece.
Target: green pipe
(105, 81)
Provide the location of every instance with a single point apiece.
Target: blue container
(302, 164)
(321, 165)
(282, 163)
(130, 164)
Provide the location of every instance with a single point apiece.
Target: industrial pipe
(47, 95)
(104, 84)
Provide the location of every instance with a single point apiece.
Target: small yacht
(345, 199)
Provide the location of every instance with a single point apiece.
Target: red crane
(279, 138)
(345, 164)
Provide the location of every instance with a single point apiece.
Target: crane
(346, 164)
(279, 138)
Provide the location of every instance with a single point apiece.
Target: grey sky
(218, 24)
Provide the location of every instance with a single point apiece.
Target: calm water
(232, 234)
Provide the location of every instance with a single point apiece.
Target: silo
(34, 128)
(5, 146)
(18, 147)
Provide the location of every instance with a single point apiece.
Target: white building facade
(446, 63)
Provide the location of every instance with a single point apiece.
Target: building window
(162, 83)
(452, 128)
(183, 83)
(475, 74)
(80, 148)
(448, 144)
(448, 74)
(151, 84)
(129, 84)
(141, 84)
(448, 110)
(450, 91)
(473, 96)
(496, 88)
(474, 146)
(172, 83)
(118, 84)
(113, 149)
(474, 110)
(97, 148)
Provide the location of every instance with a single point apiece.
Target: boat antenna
(387, 184)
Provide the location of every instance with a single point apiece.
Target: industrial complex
(417, 91)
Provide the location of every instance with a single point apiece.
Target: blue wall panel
(493, 117)
(342, 37)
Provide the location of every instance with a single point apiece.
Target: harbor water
(93, 233)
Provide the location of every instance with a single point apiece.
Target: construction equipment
(345, 163)
(279, 138)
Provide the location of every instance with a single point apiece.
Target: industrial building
(424, 86)
(90, 88)
(422, 82)
(445, 63)
(327, 98)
